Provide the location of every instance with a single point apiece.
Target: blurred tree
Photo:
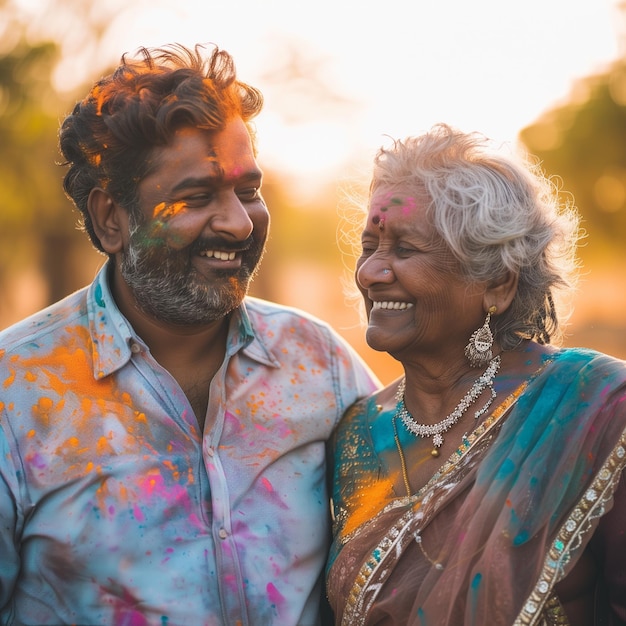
(42, 258)
(36, 220)
(584, 143)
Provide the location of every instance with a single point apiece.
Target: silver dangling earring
(478, 350)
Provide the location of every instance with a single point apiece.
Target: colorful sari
(507, 517)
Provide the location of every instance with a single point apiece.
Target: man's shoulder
(258, 308)
(277, 324)
(57, 317)
(285, 330)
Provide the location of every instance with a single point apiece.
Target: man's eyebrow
(208, 181)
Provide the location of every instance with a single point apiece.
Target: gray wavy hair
(496, 213)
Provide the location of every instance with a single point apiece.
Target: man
(162, 435)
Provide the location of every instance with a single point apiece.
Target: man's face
(203, 224)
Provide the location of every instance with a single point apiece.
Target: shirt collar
(242, 335)
(114, 338)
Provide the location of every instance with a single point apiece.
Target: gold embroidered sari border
(357, 603)
(569, 537)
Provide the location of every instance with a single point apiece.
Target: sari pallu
(505, 519)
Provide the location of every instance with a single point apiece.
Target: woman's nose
(375, 269)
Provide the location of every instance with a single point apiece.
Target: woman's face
(416, 299)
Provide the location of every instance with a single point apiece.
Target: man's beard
(166, 286)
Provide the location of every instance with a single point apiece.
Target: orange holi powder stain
(164, 212)
(154, 482)
(173, 469)
(69, 367)
(42, 409)
(365, 503)
(99, 95)
(191, 479)
(103, 446)
(10, 379)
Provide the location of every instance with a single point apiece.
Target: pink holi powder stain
(138, 513)
(195, 521)
(274, 596)
(133, 618)
(36, 460)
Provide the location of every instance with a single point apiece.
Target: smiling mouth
(392, 306)
(218, 254)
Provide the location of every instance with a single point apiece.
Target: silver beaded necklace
(437, 430)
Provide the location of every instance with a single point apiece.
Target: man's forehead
(225, 154)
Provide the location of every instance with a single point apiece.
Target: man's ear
(501, 291)
(110, 221)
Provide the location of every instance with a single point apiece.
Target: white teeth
(396, 306)
(218, 254)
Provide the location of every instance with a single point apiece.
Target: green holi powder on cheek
(157, 231)
(150, 237)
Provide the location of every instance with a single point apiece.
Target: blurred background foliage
(43, 258)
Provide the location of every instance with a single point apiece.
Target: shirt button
(210, 451)
(135, 348)
(223, 533)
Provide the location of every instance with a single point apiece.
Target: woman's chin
(379, 339)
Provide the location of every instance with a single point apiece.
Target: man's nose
(232, 220)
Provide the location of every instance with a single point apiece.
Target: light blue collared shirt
(115, 510)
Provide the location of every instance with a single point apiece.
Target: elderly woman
(485, 486)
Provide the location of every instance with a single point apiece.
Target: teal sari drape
(488, 538)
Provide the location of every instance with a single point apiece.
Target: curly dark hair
(107, 139)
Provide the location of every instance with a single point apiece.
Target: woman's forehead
(385, 199)
(393, 204)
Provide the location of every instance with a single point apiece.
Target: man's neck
(187, 343)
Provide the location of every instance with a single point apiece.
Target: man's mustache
(217, 243)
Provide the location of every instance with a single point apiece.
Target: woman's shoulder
(539, 362)
(358, 414)
(366, 410)
(590, 365)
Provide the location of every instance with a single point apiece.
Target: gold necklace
(467, 442)
(405, 472)
(437, 430)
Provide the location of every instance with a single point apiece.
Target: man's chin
(186, 319)
(201, 309)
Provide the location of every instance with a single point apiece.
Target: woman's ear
(110, 221)
(501, 291)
